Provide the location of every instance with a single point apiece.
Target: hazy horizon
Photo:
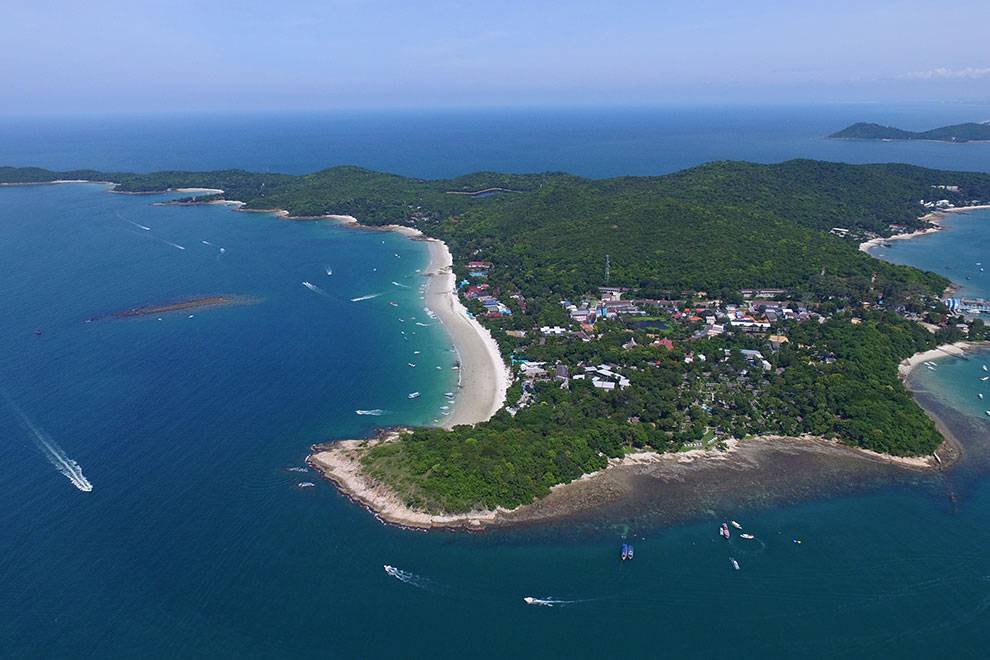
(110, 57)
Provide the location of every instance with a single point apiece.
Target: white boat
(305, 484)
(529, 600)
(980, 395)
(988, 413)
(735, 564)
(735, 524)
(414, 395)
(985, 378)
(985, 368)
(748, 537)
(411, 364)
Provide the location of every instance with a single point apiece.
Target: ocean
(197, 539)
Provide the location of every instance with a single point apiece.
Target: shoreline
(932, 218)
(340, 463)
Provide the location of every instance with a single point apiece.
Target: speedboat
(414, 395)
(748, 537)
(411, 364)
(734, 563)
(735, 524)
(529, 600)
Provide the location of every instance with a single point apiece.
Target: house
(665, 343)
(555, 331)
(560, 372)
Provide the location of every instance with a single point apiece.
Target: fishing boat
(414, 395)
(724, 531)
(748, 537)
(735, 524)
(626, 551)
(734, 563)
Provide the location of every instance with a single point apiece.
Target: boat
(735, 524)
(985, 378)
(748, 537)
(987, 412)
(393, 303)
(734, 563)
(529, 600)
(724, 531)
(305, 484)
(980, 395)
(414, 395)
(985, 368)
(626, 551)
(411, 364)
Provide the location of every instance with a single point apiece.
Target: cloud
(945, 73)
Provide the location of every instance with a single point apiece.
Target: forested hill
(724, 225)
(967, 132)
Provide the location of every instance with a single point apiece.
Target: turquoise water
(197, 542)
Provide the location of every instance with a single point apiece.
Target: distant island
(968, 132)
(638, 316)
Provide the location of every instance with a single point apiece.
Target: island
(639, 318)
(967, 132)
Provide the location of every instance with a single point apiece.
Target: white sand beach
(932, 218)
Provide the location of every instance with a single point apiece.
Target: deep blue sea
(196, 539)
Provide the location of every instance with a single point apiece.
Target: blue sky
(108, 55)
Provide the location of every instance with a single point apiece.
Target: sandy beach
(483, 376)
(958, 349)
(932, 218)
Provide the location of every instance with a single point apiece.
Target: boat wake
(403, 286)
(55, 454)
(315, 289)
(375, 412)
(367, 297)
(549, 602)
(119, 215)
(411, 579)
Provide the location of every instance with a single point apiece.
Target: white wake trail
(367, 297)
(549, 602)
(55, 454)
(400, 285)
(411, 579)
(315, 289)
(119, 215)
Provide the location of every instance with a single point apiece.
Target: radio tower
(607, 265)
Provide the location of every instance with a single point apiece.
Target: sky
(58, 56)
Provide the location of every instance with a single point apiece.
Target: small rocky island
(968, 132)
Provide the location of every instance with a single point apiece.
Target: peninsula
(638, 315)
(967, 132)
